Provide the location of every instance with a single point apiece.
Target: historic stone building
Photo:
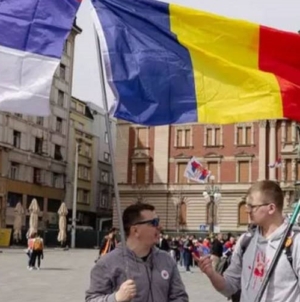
(151, 163)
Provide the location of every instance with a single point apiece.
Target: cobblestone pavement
(64, 277)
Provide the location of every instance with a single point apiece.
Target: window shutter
(209, 137)
(181, 168)
(213, 168)
(288, 169)
(142, 137)
(218, 137)
(179, 138)
(240, 136)
(243, 171)
(248, 135)
(243, 215)
(187, 138)
(140, 173)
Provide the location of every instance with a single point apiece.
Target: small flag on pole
(277, 164)
(32, 36)
(196, 171)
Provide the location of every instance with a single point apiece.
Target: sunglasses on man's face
(154, 222)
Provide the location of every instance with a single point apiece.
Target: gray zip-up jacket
(157, 279)
(247, 272)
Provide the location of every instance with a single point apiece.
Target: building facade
(103, 170)
(33, 151)
(94, 183)
(151, 163)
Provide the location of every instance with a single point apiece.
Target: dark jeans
(35, 255)
(187, 256)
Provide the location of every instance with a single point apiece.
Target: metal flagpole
(111, 148)
(74, 208)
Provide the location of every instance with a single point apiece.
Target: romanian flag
(170, 64)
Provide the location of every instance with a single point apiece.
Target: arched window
(182, 213)
(243, 215)
(209, 213)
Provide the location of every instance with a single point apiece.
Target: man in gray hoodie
(146, 274)
(246, 272)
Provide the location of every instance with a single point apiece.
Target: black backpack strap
(245, 242)
(289, 250)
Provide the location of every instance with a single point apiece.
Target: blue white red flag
(196, 171)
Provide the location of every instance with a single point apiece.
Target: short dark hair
(113, 229)
(270, 191)
(132, 214)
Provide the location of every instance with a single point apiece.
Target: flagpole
(111, 149)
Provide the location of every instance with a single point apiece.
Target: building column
(262, 150)
(272, 154)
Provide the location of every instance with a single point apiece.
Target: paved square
(64, 277)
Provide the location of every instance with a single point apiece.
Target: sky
(86, 81)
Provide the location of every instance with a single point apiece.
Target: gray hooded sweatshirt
(157, 279)
(247, 272)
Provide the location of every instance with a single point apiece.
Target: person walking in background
(30, 241)
(216, 251)
(163, 243)
(37, 252)
(187, 253)
(109, 242)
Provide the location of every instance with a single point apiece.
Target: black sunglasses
(154, 222)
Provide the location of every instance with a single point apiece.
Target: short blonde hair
(271, 192)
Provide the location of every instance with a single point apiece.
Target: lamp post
(212, 195)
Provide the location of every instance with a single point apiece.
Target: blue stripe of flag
(151, 71)
(37, 26)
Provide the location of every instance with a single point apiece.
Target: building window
(213, 137)
(40, 120)
(244, 135)
(141, 137)
(288, 170)
(181, 179)
(289, 131)
(18, 115)
(86, 197)
(213, 167)
(243, 171)
(55, 180)
(106, 156)
(182, 214)
(37, 176)
(104, 176)
(106, 137)
(104, 200)
(59, 124)
(88, 150)
(14, 171)
(183, 138)
(61, 98)
(13, 199)
(243, 215)
(17, 139)
(62, 71)
(140, 175)
(84, 172)
(73, 105)
(57, 153)
(80, 108)
(38, 145)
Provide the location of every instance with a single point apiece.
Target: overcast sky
(282, 14)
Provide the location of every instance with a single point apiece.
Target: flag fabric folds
(32, 37)
(169, 64)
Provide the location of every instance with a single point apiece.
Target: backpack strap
(289, 250)
(245, 242)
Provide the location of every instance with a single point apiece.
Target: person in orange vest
(109, 242)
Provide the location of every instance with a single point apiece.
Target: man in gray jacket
(246, 272)
(152, 274)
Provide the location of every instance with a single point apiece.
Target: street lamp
(212, 195)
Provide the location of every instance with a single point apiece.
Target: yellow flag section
(229, 85)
